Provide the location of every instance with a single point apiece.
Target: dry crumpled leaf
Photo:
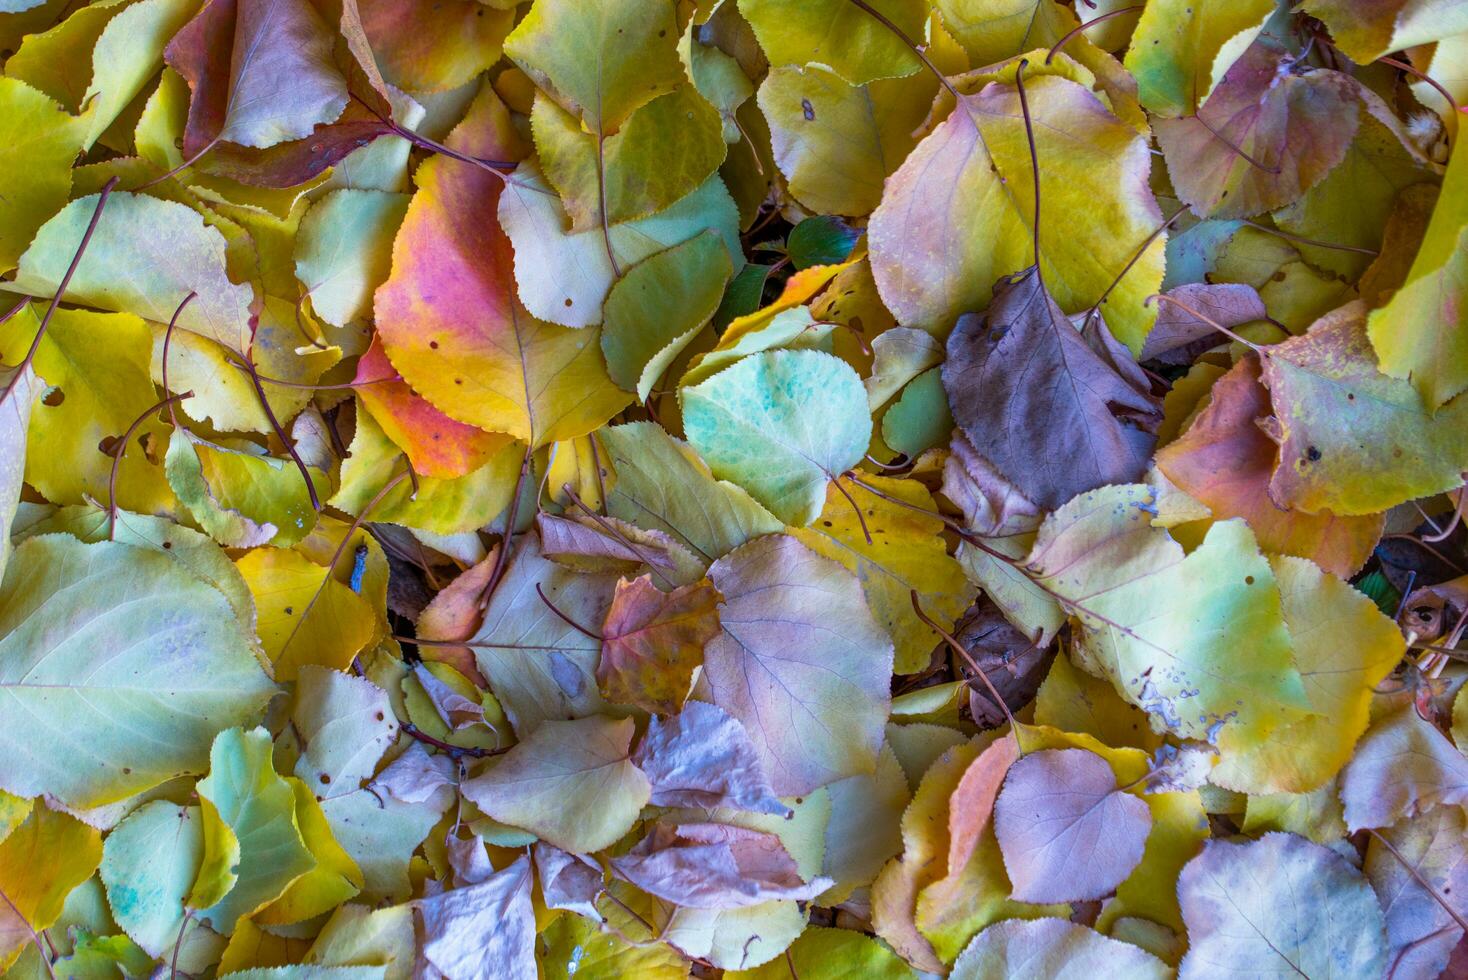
(701, 757)
(715, 866)
(482, 930)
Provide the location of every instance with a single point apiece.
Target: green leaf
(144, 258)
(149, 864)
(564, 276)
(343, 250)
(659, 306)
(780, 424)
(117, 656)
(1180, 49)
(662, 153)
(840, 952)
(663, 485)
(836, 142)
(241, 496)
(252, 847)
(1326, 391)
(1101, 558)
(743, 295)
(38, 142)
(600, 59)
(821, 240)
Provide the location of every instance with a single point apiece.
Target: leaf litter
(748, 488)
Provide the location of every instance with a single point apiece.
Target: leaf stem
(1436, 895)
(1024, 106)
(1410, 70)
(178, 943)
(35, 936)
(76, 260)
(181, 167)
(290, 447)
(855, 509)
(566, 619)
(616, 533)
(454, 752)
(120, 450)
(973, 665)
(167, 342)
(882, 19)
(1307, 241)
(1210, 321)
(1447, 532)
(1136, 257)
(1090, 23)
(357, 522)
(512, 513)
(1198, 115)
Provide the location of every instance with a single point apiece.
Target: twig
(455, 752)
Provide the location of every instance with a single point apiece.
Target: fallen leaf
(701, 757)
(800, 663)
(117, 655)
(484, 930)
(238, 56)
(1058, 808)
(713, 866)
(1052, 948)
(1404, 766)
(1280, 129)
(590, 798)
(652, 642)
(1226, 460)
(780, 424)
(1040, 403)
(1327, 389)
(958, 214)
(1260, 906)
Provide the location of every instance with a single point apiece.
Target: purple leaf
(701, 757)
(1066, 832)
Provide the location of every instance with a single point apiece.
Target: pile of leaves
(747, 488)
